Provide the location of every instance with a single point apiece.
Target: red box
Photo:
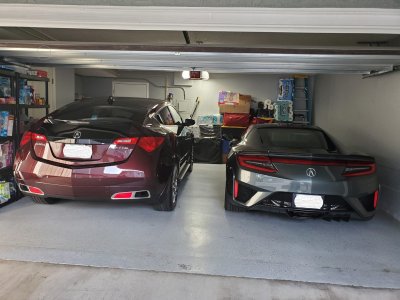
(237, 120)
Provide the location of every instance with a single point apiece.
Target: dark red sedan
(107, 149)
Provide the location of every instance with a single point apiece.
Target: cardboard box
(235, 103)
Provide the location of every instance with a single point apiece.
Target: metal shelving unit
(6, 173)
(302, 102)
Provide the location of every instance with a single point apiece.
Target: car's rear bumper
(340, 198)
(95, 183)
(252, 198)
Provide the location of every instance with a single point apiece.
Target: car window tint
(166, 116)
(175, 115)
(293, 138)
(92, 111)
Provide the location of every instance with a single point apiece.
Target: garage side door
(130, 89)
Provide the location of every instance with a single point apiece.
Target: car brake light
(38, 137)
(150, 143)
(235, 188)
(359, 169)
(376, 198)
(26, 138)
(257, 162)
(126, 141)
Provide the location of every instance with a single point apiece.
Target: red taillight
(122, 195)
(150, 143)
(359, 169)
(256, 162)
(126, 141)
(26, 138)
(235, 188)
(38, 137)
(31, 136)
(376, 198)
(35, 190)
(147, 143)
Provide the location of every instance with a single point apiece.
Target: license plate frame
(75, 151)
(307, 201)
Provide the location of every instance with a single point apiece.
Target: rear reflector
(376, 198)
(131, 195)
(256, 162)
(31, 189)
(235, 188)
(123, 195)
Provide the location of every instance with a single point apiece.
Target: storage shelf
(34, 106)
(5, 138)
(32, 78)
(8, 169)
(23, 106)
(6, 73)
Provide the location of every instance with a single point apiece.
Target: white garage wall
(364, 115)
(64, 80)
(260, 87)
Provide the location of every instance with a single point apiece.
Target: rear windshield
(294, 138)
(91, 111)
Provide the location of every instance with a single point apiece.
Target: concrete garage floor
(200, 237)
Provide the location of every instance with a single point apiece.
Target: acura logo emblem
(311, 172)
(77, 134)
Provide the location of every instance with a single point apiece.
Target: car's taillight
(150, 143)
(38, 137)
(147, 143)
(26, 138)
(31, 136)
(126, 141)
(256, 162)
(359, 169)
(235, 188)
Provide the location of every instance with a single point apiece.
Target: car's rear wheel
(42, 200)
(168, 202)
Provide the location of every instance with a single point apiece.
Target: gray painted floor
(200, 237)
(32, 281)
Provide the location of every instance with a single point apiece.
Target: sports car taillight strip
(352, 168)
(256, 162)
(147, 143)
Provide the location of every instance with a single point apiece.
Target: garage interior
(351, 64)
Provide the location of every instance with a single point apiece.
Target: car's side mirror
(234, 142)
(189, 122)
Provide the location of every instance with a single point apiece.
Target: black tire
(169, 199)
(41, 200)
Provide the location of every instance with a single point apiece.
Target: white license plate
(308, 201)
(77, 151)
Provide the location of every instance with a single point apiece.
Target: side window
(166, 117)
(175, 115)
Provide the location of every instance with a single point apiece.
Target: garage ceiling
(283, 41)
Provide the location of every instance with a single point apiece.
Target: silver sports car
(298, 170)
